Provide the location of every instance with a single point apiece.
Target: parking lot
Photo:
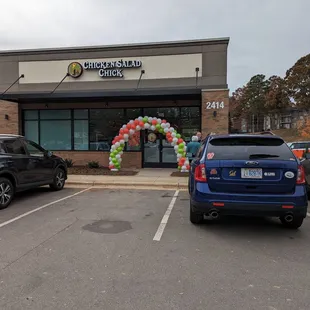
(91, 248)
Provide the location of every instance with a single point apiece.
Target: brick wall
(81, 158)
(9, 126)
(220, 122)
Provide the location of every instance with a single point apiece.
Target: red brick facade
(214, 119)
(10, 125)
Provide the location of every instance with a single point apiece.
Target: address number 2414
(215, 105)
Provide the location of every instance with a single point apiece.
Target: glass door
(157, 151)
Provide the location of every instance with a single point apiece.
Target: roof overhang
(102, 95)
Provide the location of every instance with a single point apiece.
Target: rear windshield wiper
(263, 156)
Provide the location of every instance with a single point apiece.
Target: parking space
(96, 250)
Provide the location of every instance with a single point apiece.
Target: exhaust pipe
(214, 214)
(288, 218)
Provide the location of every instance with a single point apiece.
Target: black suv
(25, 165)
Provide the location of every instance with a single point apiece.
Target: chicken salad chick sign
(105, 69)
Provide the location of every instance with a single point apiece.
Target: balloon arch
(154, 124)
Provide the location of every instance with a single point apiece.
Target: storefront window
(81, 135)
(104, 125)
(32, 130)
(55, 135)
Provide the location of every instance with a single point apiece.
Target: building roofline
(224, 40)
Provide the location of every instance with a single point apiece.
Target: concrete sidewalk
(146, 178)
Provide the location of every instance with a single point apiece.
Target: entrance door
(157, 151)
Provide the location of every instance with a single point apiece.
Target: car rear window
(249, 148)
(300, 145)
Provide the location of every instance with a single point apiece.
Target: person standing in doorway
(198, 134)
(192, 148)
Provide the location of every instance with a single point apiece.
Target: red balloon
(121, 137)
(133, 126)
(128, 126)
(154, 122)
(126, 131)
(170, 139)
(121, 131)
(188, 167)
(111, 167)
(182, 161)
(164, 121)
(113, 142)
(180, 141)
(141, 124)
(137, 122)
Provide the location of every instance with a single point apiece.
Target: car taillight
(300, 175)
(200, 173)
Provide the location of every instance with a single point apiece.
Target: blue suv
(247, 175)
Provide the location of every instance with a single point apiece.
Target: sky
(266, 36)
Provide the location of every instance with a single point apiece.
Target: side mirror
(49, 154)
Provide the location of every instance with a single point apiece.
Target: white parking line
(42, 207)
(165, 218)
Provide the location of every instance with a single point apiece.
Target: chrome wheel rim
(5, 193)
(60, 179)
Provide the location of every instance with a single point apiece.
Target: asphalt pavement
(85, 248)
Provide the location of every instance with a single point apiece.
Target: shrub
(93, 164)
(69, 162)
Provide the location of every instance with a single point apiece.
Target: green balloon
(119, 149)
(180, 151)
(114, 160)
(178, 136)
(112, 155)
(181, 145)
(145, 119)
(157, 126)
(161, 130)
(179, 167)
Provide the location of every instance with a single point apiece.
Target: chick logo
(75, 70)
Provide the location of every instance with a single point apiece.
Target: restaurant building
(73, 101)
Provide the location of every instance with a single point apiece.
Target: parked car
(305, 161)
(248, 175)
(299, 148)
(25, 165)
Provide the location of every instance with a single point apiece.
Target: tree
(304, 129)
(298, 82)
(277, 97)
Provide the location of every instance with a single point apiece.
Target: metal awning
(102, 94)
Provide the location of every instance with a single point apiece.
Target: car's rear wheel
(195, 218)
(59, 180)
(6, 193)
(295, 223)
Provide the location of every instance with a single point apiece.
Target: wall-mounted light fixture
(197, 70)
(6, 116)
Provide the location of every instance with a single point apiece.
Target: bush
(69, 162)
(93, 164)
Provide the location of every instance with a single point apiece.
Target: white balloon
(166, 130)
(185, 148)
(120, 160)
(175, 139)
(140, 118)
(173, 143)
(153, 127)
(138, 128)
(131, 121)
(118, 156)
(176, 148)
(183, 168)
(124, 126)
(150, 119)
(111, 163)
(113, 147)
(155, 118)
(121, 153)
(162, 125)
(173, 134)
(158, 121)
(147, 126)
(126, 136)
(171, 129)
(167, 125)
(110, 158)
(117, 144)
(179, 155)
(122, 141)
(131, 132)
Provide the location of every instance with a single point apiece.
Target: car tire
(195, 218)
(59, 180)
(294, 224)
(7, 192)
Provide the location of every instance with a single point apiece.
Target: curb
(129, 185)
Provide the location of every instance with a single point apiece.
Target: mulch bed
(179, 174)
(98, 171)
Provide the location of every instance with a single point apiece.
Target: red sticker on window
(210, 155)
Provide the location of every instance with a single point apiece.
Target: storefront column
(9, 118)
(214, 111)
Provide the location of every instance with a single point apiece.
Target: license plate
(248, 173)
